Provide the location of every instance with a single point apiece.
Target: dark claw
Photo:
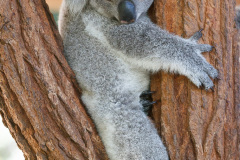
(154, 102)
(146, 100)
(146, 93)
(147, 106)
(212, 89)
(201, 30)
(146, 103)
(147, 109)
(218, 78)
(202, 87)
(197, 35)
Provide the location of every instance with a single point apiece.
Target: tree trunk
(238, 2)
(39, 97)
(199, 124)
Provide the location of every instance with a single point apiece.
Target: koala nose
(127, 12)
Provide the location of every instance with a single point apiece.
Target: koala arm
(148, 46)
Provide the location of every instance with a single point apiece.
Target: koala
(113, 47)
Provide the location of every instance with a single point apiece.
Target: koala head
(125, 11)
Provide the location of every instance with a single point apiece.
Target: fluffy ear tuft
(76, 6)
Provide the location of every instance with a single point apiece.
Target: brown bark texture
(194, 123)
(238, 2)
(39, 98)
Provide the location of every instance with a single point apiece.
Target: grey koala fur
(113, 63)
(237, 18)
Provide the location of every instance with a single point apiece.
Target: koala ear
(76, 6)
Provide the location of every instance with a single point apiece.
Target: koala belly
(114, 77)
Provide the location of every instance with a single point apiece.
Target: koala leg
(126, 132)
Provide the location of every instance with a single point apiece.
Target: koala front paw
(202, 79)
(200, 69)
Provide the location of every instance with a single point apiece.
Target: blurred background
(54, 6)
(8, 147)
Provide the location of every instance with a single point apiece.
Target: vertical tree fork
(39, 96)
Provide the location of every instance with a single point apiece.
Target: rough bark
(199, 124)
(238, 2)
(39, 98)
